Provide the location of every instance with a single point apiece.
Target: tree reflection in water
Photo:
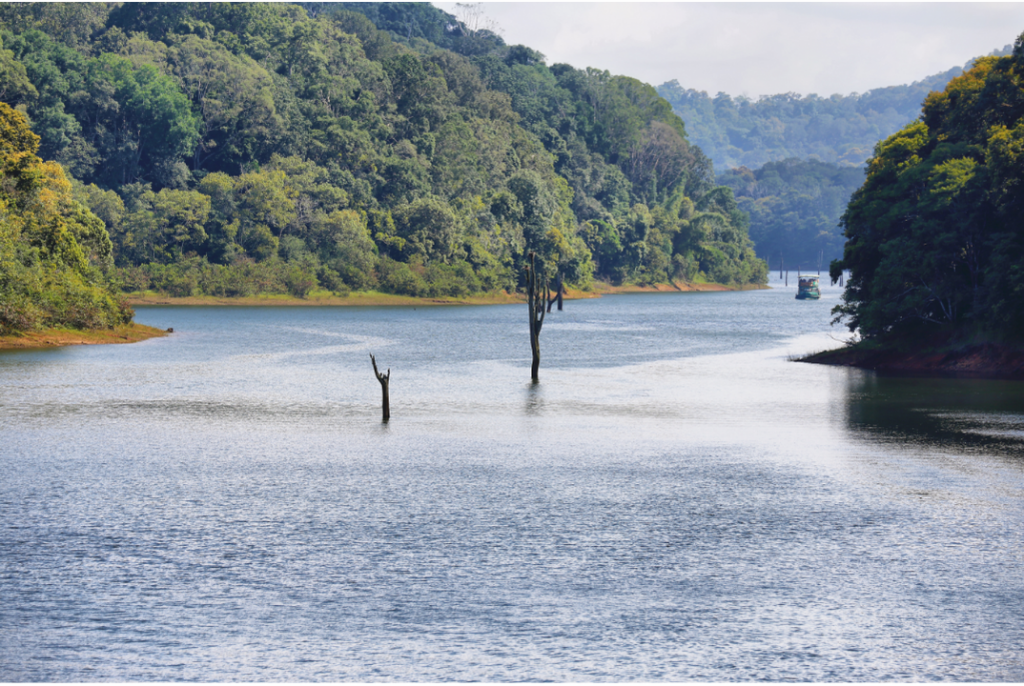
(956, 415)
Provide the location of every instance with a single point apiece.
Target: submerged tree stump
(536, 300)
(384, 379)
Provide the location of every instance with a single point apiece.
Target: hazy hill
(793, 162)
(841, 129)
(794, 208)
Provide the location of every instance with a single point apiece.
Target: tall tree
(932, 241)
(51, 247)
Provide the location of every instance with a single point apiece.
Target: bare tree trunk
(384, 379)
(535, 300)
(558, 293)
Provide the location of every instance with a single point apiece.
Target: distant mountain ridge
(740, 132)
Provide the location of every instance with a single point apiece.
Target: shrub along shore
(377, 299)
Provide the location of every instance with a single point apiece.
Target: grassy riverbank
(376, 299)
(322, 298)
(55, 338)
(970, 360)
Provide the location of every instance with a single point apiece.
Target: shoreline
(134, 332)
(58, 338)
(358, 299)
(375, 299)
(974, 361)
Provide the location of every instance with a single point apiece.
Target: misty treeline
(794, 208)
(237, 149)
(794, 161)
(838, 129)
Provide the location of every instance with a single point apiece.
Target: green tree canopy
(934, 239)
(51, 247)
(270, 142)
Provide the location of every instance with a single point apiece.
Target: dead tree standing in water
(558, 293)
(384, 379)
(536, 301)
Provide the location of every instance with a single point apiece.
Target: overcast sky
(756, 49)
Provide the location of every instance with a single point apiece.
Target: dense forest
(794, 208)
(935, 241)
(840, 129)
(234, 149)
(52, 248)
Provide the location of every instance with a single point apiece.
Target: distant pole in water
(781, 262)
(787, 277)
(384, 379)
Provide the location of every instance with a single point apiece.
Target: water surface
(675, 500)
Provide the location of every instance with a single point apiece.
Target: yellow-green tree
(934, 237)
(51, 246)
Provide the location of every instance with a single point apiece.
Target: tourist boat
(807, 288)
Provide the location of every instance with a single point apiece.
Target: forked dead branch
(385, 380)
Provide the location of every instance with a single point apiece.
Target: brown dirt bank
(981, 360)
(374, 299)
(54, 338)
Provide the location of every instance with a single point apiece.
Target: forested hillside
(233, 149)
(794, 208)
(935, 237)
(841, 129)
(52, 249)
(793, 162)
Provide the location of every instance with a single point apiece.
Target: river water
(675, 500)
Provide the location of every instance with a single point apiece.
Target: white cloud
(761, 48)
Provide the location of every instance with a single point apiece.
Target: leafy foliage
(935, 241)
(359, 146)
(794, 208)
(51, 247)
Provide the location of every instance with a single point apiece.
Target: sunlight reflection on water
(675, 500)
